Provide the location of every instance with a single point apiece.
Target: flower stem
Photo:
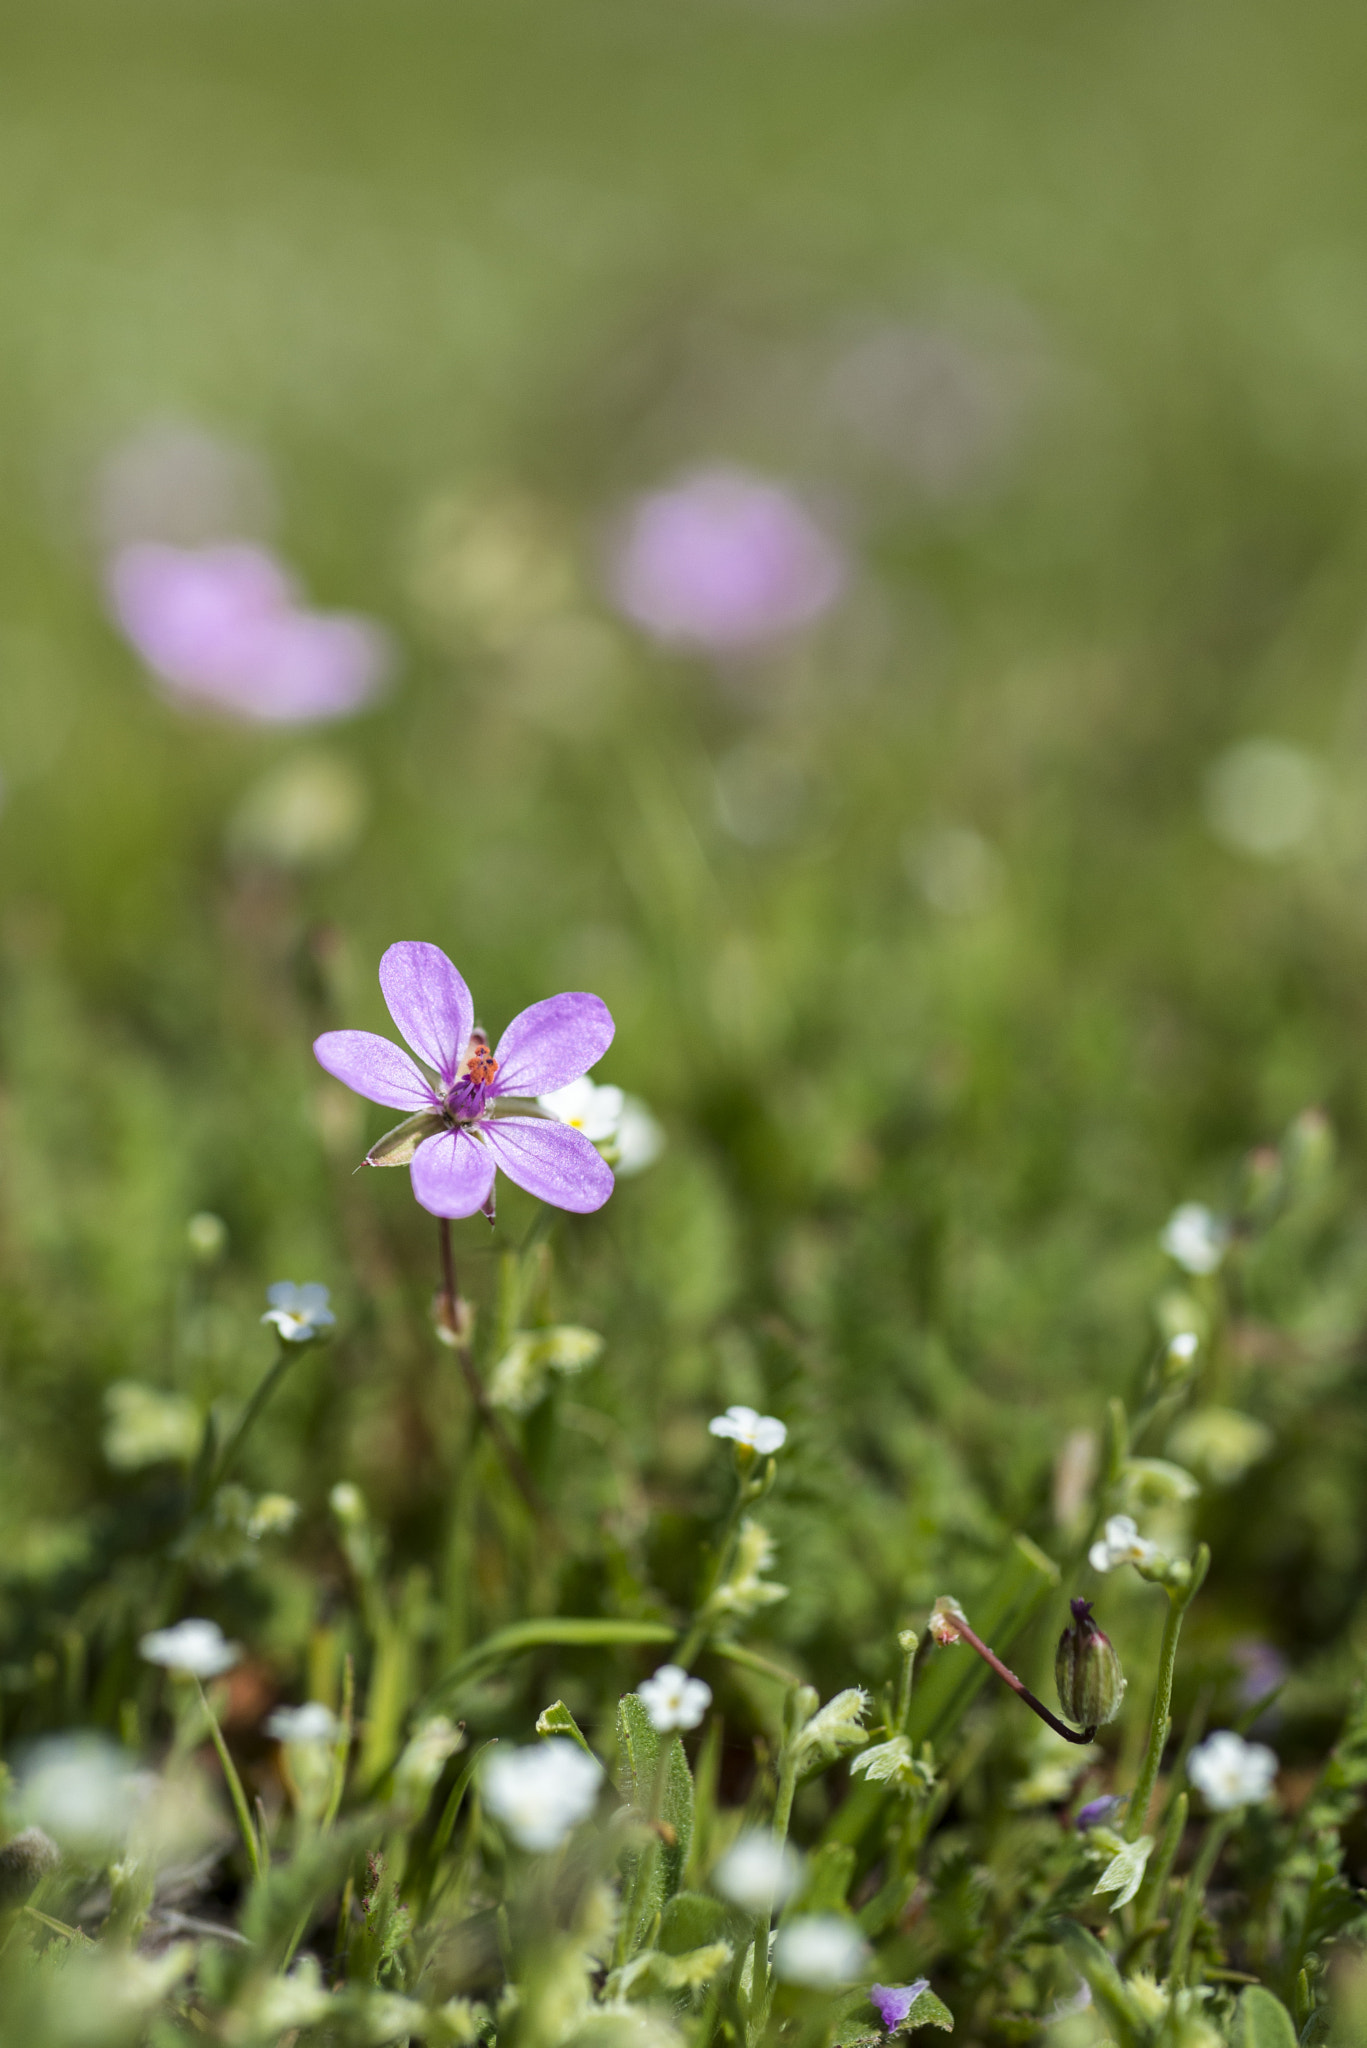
(238, 1796)
(1217, 1834)
(760, 1994)
(488, 1414)
(1018, 1686)
(1160, 1721)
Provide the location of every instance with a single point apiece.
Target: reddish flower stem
(488, 1414)
(1008, 1677)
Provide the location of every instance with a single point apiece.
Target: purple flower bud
(894, 2001)
(724, 562)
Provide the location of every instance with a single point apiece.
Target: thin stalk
(234, 1784)
(1217, 1834)
(488, 1414)
(759, 1969)
(1160, 1721)
(265, 1387)
(699, 1627)
(1018, 1686)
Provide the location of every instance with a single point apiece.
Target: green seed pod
(1087, 1671)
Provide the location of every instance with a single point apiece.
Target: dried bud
(1087, 1671)
(945, 1618)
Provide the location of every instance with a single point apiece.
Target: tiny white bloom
(588, 1106)
(301, 1726)
(1195, 1237)
(539, 1794)
(673, 1699)
(621, 1124)
(83, 1791)
(820, 1950)
(300, 1314)
(1122, 1544)
(757, 1873)
(1229, 1772)
(755, 1432)
(199, 1648)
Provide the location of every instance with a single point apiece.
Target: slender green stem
(265, 1387)
(699, 1627)
(1160, 1721)
(1217, 1834)
(759, 1969)
(475, 1387)
(234, 1784)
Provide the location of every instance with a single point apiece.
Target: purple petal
(894, 2001)
(374, 1068)
(452, 1174)
(552, 1043)
(429, 1002)
(550, 1160)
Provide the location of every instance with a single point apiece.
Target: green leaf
(928, 2011)
(567, 1631)
(676, 1811)
(690, 1920)
(1124, 1873)
(1262, 2021)
(638, 1751)
(557, 1719)
(828, 1880)
(653, 1970)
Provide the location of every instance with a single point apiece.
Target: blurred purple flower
(894, 2001)
(223, 627)
(724, 561)
(1262, 1669)
(1097, 1812)
(460, 1142)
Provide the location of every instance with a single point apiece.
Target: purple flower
(724, 561)
(223, 627)
(1097, 1812)
(453, 1151)
(894, 2001)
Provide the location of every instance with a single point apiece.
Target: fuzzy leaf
(653, 1970)
(690, 1920)
(638, 1750)
(1262, 2021)
(929, 2011)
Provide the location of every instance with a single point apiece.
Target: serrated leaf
(1262, 2021)
(396, 1147)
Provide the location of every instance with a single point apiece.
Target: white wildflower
(1229, 1772)
(1195, 1237)
(745, 1589)
(1184, 1346)
(620, 1125)
(539, 1794)
(198, 1648)
(757, 1873)
(300, 1314)
(303, 1726)
(944, 1620)
(1122, 1543)
(820, 1950)
(674, 1700)
(751, 1430)
(83, 1791)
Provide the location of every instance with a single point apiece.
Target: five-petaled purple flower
(224, 627)
(452, 1140)
(894, 2001)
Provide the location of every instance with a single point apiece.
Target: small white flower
(753, 1431)
(620, 1124)
(1122, 1544)
(757, 1873)
(1229, 1772)
(303, 1726)
(1184, 1346)
(348, 1503)
(83, 1791)
(673, 1699)
(1195, 1237)
(300, 1314)
(198, 1648)
(539, 1794)
(820, 1950)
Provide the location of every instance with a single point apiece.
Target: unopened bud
(25, 1860)
(1087, 1671)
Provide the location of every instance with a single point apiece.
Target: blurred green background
(930, 939)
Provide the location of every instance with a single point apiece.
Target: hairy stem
(1160, 1721)
(1217, 1834)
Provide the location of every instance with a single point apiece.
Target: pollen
(479, 1064)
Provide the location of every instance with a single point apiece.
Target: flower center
(466, 1098)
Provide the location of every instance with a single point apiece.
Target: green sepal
(396, 1147)
(556, 1719)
